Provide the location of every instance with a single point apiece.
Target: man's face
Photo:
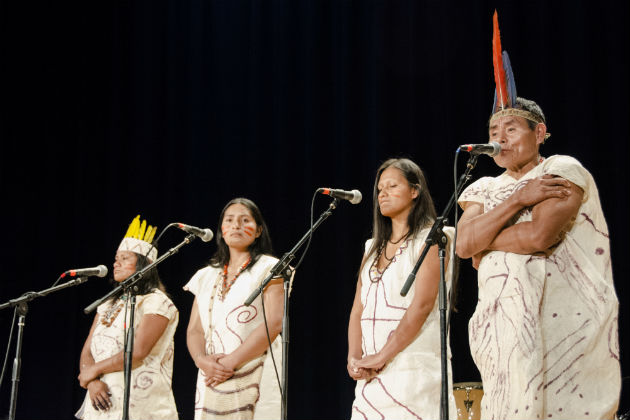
(519, 143)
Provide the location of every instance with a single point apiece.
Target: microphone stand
(129, 287)
(437, 237)
(282, 269)
(22, 309)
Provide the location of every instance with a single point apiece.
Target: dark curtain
(171, 108)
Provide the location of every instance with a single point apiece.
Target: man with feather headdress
(544, 334)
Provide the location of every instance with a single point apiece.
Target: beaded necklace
(225, 285)
(384, 253)
(384, 248)
(112, 313)
(374, 266)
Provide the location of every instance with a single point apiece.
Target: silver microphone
(99, 271)
(491, 149)
(205, 235)
(353, 196)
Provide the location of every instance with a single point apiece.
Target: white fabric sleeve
(159, 304)
(570, 169)
(194, 284)
(475, 192)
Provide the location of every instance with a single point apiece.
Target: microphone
(490, 149)
(99, 271)
(205, 235)
(353, 196)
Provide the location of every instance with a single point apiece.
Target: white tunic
(232, 323)
(544, 333)
(151, 396)
(409, 385)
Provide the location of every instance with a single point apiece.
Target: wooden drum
(468, 400)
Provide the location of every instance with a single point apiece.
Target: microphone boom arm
(135, 278)
(21, 306)
(286, 259)
(435, 234)
(282, 266)
(28, 296)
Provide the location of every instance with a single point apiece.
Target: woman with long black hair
(394, 341)
(228, 341)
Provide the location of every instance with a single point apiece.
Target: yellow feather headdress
(138, 239)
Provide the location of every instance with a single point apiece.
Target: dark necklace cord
(399, 240)
(375, 264)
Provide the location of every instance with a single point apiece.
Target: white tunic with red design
(231, 323)
(150, 396)
(409, 385)
(544, 333)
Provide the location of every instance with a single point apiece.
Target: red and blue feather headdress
(505, 92)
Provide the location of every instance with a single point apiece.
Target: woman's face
(239, 227)
(124, 265)
(395, 195)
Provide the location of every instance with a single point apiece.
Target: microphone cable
(289, 272)
(6, 356)
(273, 359)
(56, 281)
(310, 236)
(452, 296)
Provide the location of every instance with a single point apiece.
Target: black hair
(151, 279)
(534, 108)
(422, 215)
(260, 246)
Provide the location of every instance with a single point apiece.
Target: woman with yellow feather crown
(544, 333)
(156, 317)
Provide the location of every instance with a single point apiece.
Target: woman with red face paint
(227, 340)
(394, 341)
(155, 320)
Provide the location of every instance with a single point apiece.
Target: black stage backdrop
(171, 108)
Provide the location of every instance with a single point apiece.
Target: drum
(468, 400)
